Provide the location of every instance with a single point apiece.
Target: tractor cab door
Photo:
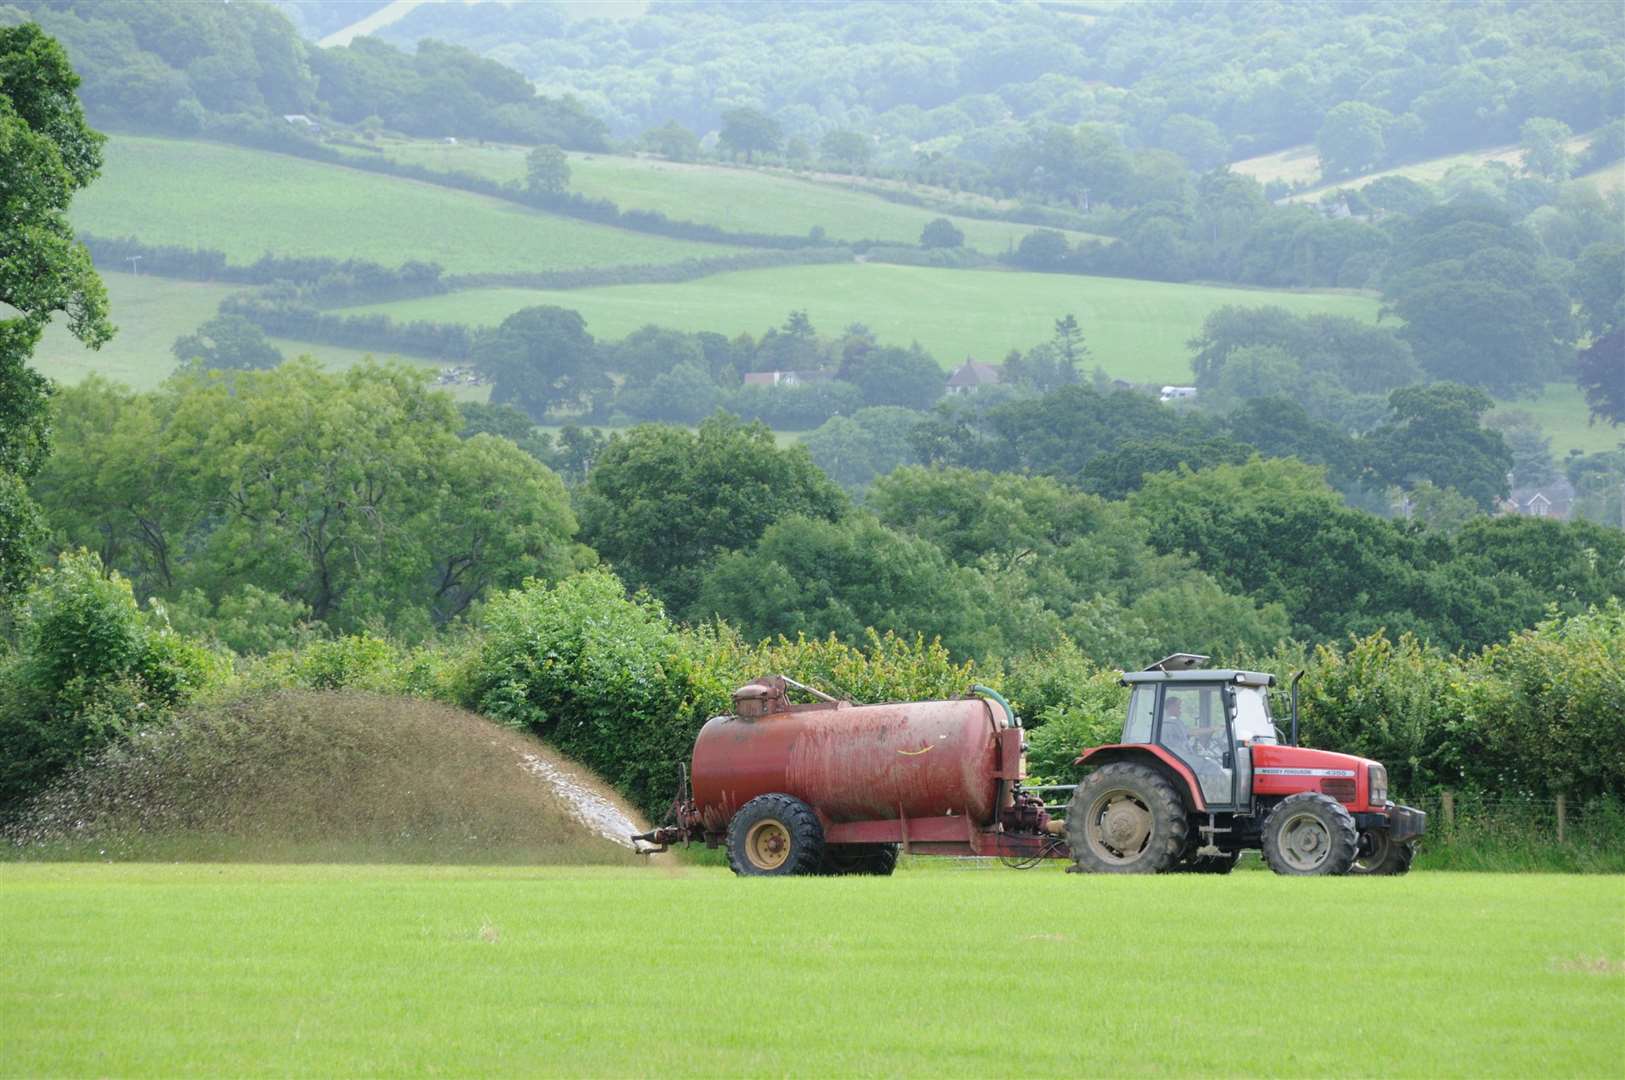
(1193, 723)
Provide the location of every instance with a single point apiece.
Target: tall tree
(47, 153)
(541, 358)
(748, 130)
(662, 502)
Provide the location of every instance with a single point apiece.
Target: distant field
(1301, 164)
(248, 202)
(233, 970)
(1134, 329)
(151, 312)
(1561, 411)
(743, 200)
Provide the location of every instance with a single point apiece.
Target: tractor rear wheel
(775, 836)
(1381, 855)
(1126, 819)
(875, 859)
(1309, 835)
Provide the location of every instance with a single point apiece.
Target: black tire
(1381, 856)
(878, 860)
(1126, 819)
(775, 836)
(1310, 835)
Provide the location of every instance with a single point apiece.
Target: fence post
(1447, 807)
(1562, 816)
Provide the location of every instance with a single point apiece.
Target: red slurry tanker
(1200, 775)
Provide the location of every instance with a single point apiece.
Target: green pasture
(744, 200)
(1135, 329)
(151, 312)
(249, 202)
(142, 970)
(1561, 411)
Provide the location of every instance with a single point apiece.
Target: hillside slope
(329, 777)
(249, 202)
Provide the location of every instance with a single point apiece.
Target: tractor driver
(1196, 746)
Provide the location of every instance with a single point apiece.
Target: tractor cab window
(1253, 723)
(1141, 708)
(1194, 726)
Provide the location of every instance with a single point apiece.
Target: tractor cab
(1206, 719)
(1202, 773)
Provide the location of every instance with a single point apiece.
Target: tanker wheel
(775, 836)
(1379, 854)
(1310, 835)
(875, 859)
(1126, 819)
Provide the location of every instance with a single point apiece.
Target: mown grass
(253, 970)
(248, 202)
(739, 199)
(1561, 411)
(1134, 329)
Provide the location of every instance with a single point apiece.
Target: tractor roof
(1201, 675)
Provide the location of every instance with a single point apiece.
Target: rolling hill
(249, 202)
(739, 199)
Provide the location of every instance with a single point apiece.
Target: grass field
(1135, 329)
(1562, 412)
(1300, 164)
(744, 200)
(135, 970)
(151, 312)
(248, 202)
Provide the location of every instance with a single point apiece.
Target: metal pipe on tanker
(988, 691)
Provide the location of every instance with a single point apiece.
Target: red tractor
(1200, 775)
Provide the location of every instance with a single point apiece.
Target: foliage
(854, 451)
(348, 495)
(47, 153)
(941, 233)
(90, 667)
(539, 359)
(1435, 434)
(662, 502)
(227, 341)
(1601, 375)
(546, 170)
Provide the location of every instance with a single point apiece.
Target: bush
(605, 679)
(90, 668)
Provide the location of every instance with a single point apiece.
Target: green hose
(996, 696)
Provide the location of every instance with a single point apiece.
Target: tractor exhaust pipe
(1295, 678)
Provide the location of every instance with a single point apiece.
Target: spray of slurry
(586, 806)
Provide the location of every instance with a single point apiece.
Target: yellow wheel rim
(767, 845)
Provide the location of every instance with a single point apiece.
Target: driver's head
(1170, 711)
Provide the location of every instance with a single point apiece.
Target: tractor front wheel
(1126, 819)
(1379, 854)
(775, 836)
(1310, 835)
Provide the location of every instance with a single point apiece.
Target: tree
(662, 502)
(847, 149)
(546, 171)
(747, 130)
(227, 341)
(1042, 249)
(541, 358)
(1545, 148)
(855, 450)
(46, 154)
(816, 577)
(908, 378)
(1435, 435)
(1196, 140)
(1601, 375)
(1599, 285)
(1350, 140)
(672, 141)
(941, 233)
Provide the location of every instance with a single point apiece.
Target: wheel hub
(1305, 842)
(767, 845)
(1121, 825)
